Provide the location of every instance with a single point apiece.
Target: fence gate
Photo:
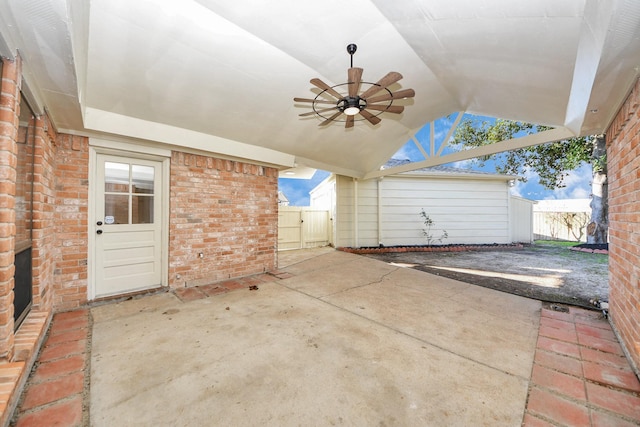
(300, 227)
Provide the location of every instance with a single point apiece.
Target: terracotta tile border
(579, 375)
(434, 248)
(57, 390)
(250, 282)
(14, 373)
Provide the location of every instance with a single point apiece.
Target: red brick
(558, 409)
(558, 315)
(594, 322)
(533, 421)
(64, 414)
(66, 336)
(58, 368)
(213, 289)
(619, 402)
(189, 294)
(606, 375)
(561, 347)
(599, 418)
(568, 335)
(600, 344)
(557, 381)
(558, 362)
(603, 358)
(64, 325)
(50, 391)
(556, 323)
(63, 350)
(233, 284)
(602, 333)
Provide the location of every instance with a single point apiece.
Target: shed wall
(388, 210)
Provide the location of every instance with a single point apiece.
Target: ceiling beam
(486, 150)
(105, 121)
(595, 26)
(420, 147)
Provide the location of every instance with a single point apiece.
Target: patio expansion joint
(284, 268)
(373, 282)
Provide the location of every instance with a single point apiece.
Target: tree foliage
(552, 161)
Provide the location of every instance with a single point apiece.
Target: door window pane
(116, 209)
(128, 194)
(116, 177)
(142, 210)
(142, 179)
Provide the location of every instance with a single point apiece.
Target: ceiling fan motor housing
(351, 102)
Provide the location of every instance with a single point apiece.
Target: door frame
(130, 151)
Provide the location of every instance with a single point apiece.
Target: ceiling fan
(376, 97)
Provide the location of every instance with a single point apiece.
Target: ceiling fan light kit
(355, 103)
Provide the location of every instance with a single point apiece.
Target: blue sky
(578, 183)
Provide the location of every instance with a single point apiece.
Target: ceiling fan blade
(311, 113)
(317, 101)
(330, 119)
(355, 76)
(397, 109)
(322, 85)
(349, 123)
(387, 80)
(401, 94)
(370, 117)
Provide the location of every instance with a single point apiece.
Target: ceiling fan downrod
(351, 49)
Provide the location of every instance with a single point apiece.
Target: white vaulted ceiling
(221, 76)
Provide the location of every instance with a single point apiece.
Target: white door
(128, 225)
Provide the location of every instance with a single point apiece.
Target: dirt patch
(543, 272)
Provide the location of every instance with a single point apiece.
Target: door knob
(99, 223)
(99, 231)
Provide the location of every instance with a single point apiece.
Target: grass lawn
(557, 243)
(594, 259)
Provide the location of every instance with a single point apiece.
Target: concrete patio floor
(339, 339)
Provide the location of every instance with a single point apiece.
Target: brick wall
(226, 210)
(70, 221)
(44, 243)
(9, 100)
(623, 163)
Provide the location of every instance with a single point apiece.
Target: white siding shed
(472, 207)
